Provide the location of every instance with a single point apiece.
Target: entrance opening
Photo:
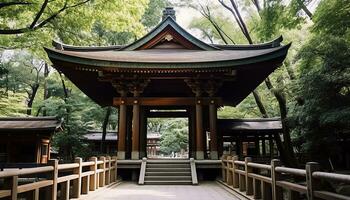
(167, 138)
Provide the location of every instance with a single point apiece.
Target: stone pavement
(132, 191)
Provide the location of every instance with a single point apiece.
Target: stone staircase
(169, 172)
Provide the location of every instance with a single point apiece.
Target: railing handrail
(332, 176)
(292, 171)
(25, 171)
(245, 175)
(101, 172)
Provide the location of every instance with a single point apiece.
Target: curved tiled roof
(29, 124)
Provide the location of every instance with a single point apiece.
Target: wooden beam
(168, 114)
(165, 101)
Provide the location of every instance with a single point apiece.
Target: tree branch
(38, 15)
(206, 13)
(33, 25)
(6, 4)
(305, 9)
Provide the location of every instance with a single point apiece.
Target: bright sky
(184, 16)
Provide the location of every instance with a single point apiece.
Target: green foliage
(277, 16)
(321, 114)
(116, 16)
(175, 136)
(153, 13)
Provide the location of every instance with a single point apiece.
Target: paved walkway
(132, 191)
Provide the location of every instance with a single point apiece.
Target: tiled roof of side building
(29, 123)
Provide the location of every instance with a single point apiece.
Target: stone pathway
(132, 191)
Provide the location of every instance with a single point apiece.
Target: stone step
(167, 165)
(168, 173)
(170, 178)
(168, 161)
(166, 182)
(168, 170)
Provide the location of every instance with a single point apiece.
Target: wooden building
(168, 69)
(27, 139)
(153, 145)
(256, 138)
(94, 139)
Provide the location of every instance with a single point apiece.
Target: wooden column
(135, 149)
(143, 132)
(199, 131)
(213, 134)
(122, 129)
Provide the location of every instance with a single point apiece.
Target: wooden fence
(59, 180)
(261, 181)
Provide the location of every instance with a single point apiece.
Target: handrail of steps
(193, 172)
(142, 171)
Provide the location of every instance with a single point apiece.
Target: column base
(135, 155)
(121, 155)
(214, 155)
(199, 155)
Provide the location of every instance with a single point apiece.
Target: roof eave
(61, 56)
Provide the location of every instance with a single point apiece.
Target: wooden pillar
(263, 146)
(135, 154)
(257, 145)
(143, 132)
(192, 131)
(213, 133)
(271, 146)
(122, 132)
(122, 127)
(199, 131)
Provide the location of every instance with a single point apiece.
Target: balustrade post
(108, 172)
(256, 188)
(242, 183)
(235, 179)
(115, 173)
(248, 180)
(93, 177)
(266, 191)
(311, 183)
(53, 176)
(77, 182)
(12, 184)
(103, 173)
(228, 170)
(64, 190)
(276, 191)
(223, 167)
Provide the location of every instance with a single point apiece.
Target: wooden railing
(78, 177)
(261, 181)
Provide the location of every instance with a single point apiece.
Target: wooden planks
(165, 101)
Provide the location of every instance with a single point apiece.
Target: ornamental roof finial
(169, 11)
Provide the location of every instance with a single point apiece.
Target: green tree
(175, 136)
(322, 105)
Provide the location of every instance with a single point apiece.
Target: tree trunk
(46, 92)
(289, 159)
(31, 98)
(260, 104)
(104, 129)
(305, 9)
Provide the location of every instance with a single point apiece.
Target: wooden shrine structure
(169, 70)
(256, 138)
(26, 139)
